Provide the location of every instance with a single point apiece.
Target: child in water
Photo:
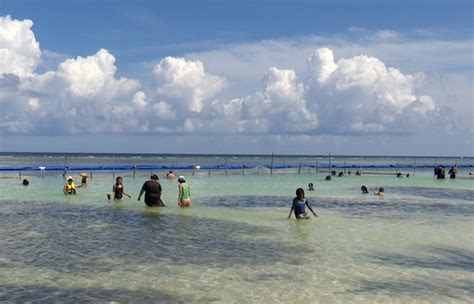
(184, 193)
(118, 190)
(299, 204)
(380, 192)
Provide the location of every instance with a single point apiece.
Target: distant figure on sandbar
(310, 187)
(70, 187)
(299, 206)
(399, 174)
(380, 192)
(184, 193)
(118, 191)
(152, 190)
(364, 189)
(453, 172)
(170, 175)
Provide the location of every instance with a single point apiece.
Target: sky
(259, 77)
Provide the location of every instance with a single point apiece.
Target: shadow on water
(364, 206)
(430, 288)
(454, 194)
(439, 258)
(85, 239)
(39, 294)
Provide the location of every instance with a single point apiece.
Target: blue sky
(197, 76)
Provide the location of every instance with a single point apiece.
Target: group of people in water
(151, 189)
(440, 172)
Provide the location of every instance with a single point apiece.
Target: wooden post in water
(271, 166)
(65, 168)
(226, 166)
(309, 168)
(134, 171)
(243, 167)
(299, 168)
(193, 169)
(317, 169)
(345, 166)
(329, 159)
(414, 167)
(19, 175)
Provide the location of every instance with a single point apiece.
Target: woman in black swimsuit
(152, 189)
(118, 190)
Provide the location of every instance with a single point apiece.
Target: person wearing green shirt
(184, 195)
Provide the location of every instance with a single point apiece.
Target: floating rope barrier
(228, 167)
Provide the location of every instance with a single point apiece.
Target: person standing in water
(84, 178)
(170, 175)
(184, 194)
(152, 190)
(70, 187)
(453, 172)
(118, 190)
(299, 206)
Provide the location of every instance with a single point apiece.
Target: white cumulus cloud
(186, 82)
(362, 94)
(19, 51)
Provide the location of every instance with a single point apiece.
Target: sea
(236, 244)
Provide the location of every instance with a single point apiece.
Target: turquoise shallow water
(235, 244)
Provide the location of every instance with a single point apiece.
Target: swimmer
(70, 187)
(310, 187)
(118, 190)
(380, 192)
(399, 174)
(364, 189)
(328, 178)
(184, 194)
(299, 204)
(25, 182)
(340, 174)
(170, 175)
(152, 190)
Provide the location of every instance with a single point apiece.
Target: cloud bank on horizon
(355, 95)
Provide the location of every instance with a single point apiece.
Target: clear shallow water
(236, 245)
